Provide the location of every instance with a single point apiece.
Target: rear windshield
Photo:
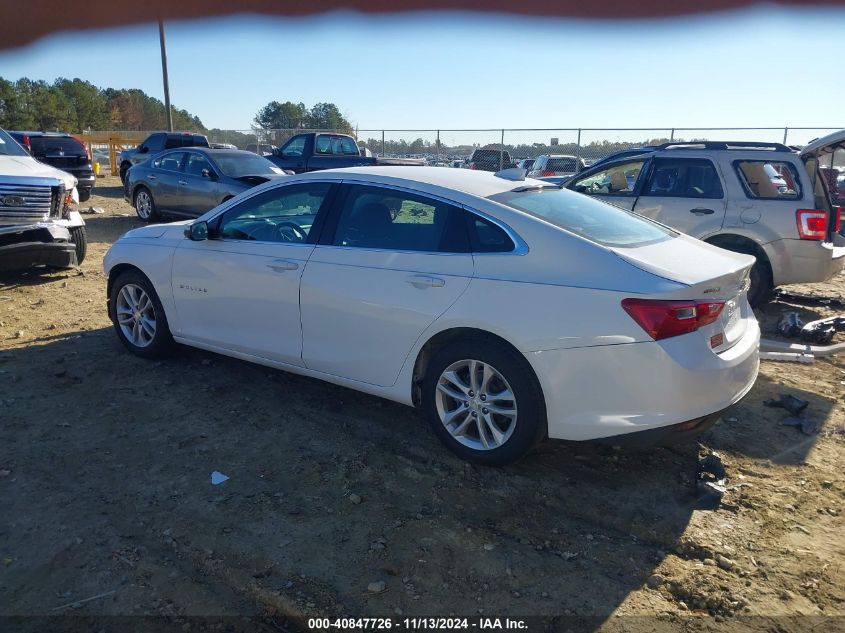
(52, 145)
(8, 146)
(490, 155)
(237, 165)
(561, 164)
(591, 219)
(342, 145)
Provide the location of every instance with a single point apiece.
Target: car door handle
(281, 265)
(702, 211)
(183, 182)
(151, 177)
(425, 281)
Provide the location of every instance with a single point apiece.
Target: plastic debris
(790, 324)
(792, 404)
(218, 478)
(792, 357)
(807, 425)
(95, 210)
(710, 481)
(823, 330)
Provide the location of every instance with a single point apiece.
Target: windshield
(245, 164)
(8, 146)
(589, 218)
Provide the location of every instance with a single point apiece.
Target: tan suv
(762, 199)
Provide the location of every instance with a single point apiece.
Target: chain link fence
(453, 147)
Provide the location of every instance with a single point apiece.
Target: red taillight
(812, 224)
(27, 145)
(84, 146)
(547, 172)
(837, 219)
(664, 319)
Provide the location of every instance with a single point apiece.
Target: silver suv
(762, 199)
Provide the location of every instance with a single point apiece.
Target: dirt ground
(105, 462)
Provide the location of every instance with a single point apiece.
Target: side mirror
(143, 149)
(197, 232)
(580, 188)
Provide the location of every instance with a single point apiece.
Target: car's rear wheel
(760, 291)
(124, 168)
(138, 316)
(144, 204)
(84, 194)
(80, 241)
(483, 402)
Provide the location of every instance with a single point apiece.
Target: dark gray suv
(154, 144)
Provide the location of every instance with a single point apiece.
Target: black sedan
(188, 182)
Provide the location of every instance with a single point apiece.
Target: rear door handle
(425, 281)
(185, 182)
(151, 177)
(281, 265)
(702, 211)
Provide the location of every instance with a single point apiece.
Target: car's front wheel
(145, 206)
(80, 242)
(483, 402)
(138, 316)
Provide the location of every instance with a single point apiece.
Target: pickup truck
(315, 151)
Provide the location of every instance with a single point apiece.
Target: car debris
(790, 324)
(808, 300)
(823, 330)
(808, 426)
(710, 477)
(792, 404)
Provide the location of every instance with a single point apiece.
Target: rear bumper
(664, 435)
(41, 247)
(806, 261)
(615, 390)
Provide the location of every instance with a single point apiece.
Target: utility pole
(164, 76)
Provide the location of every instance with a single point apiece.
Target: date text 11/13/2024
(417, 624)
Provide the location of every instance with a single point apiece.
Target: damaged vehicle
(507, 309)
(189, 182)
(38, 224)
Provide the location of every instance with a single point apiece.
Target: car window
(373, 217)
(196, 163)
(618, 180)
(52, 145)
(771, 180)
(339, 145)
(9, 147)
(684, 178)
(594, 220)
(174, 142)
(283, 214)
(486, 237)
(155, 143)
(295, 148)
(169, 162)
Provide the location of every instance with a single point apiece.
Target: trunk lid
(824, 161)
(710, 274)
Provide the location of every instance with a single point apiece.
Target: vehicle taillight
(547, 172)
(85, 147)
(837, 219)
(26, 143)
(664, 319)
(812, 224)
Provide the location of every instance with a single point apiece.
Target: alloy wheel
(136, 315)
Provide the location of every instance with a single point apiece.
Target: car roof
(477, 183)
(39, 133)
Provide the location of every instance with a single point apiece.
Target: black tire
(80, 240)
(124, 167)
(161, 342)
(530, 425)
(760, 292)
(84, 194)
(153, 214)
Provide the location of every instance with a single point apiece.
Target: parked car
(62, 151)
(154, 144)
(315, 151)
(262, 149)
(556, 165)
(38, 224)
(545, 300)
(760, 199)
(490, 160)
(189, 182)
(458, 164)
(623, 153)
(526, 164)
(222, 146)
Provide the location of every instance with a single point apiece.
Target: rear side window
(591, 219)
(56, 145)
(337, 145)
(769, 180)
(683, 178)
(486, 237)
(170, 162)
(386, 219)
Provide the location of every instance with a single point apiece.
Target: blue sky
(760, 67)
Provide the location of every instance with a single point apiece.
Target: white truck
(38, 224)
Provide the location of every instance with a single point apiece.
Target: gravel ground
(342, 504)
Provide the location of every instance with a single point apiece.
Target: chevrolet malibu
(505, 308)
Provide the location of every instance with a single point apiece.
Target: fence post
(578, 143)
(785, 133)
(438, 146)
(672, 136)
(382, 142)
(502, 152)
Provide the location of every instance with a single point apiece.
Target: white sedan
(508, 309)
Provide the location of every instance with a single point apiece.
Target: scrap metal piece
(823, 330)
(790, 324)
(792, 404)
(710, 481)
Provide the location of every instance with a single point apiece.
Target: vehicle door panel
(165, 186)
(687, 194)
(240, 291)
(197, 193)
(364, 307)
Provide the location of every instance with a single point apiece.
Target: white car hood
(174, 229)
(28, 166)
